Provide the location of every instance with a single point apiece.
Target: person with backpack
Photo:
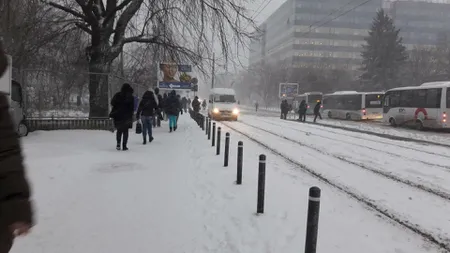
(158, 114)
(172, 108)
(146, 111)
(122, 113)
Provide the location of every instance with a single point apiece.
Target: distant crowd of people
(151, 110)
(285, 108)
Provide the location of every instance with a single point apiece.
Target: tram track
(442, 242)
(367, 147)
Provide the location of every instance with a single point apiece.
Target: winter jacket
(302, 108)
(15, 203)
(196, 105)
(184, 102)
(123, 107)
(172, 104)
(284, 107)
(317, 108)
(148, 104)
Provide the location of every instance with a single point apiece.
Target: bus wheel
(419, 125)
(22, 129)
(348, 116)
(329, 114)
(392, 122)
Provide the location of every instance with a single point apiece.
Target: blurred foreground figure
(15, 207)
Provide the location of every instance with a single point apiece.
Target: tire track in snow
(384, 142)
(378, 172)
(367, 147)
(440, 242)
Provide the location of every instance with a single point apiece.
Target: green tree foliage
(383, 55)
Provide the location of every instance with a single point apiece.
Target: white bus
(353, 105)
(423, 106)
(311, 98)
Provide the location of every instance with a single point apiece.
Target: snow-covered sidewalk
(174, 195)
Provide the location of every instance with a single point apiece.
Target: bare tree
(173, 25)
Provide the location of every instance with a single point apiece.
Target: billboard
(288, 90)
(175, 76)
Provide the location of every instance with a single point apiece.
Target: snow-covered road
(410, 186)
(174, 195)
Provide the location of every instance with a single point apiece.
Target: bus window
(374, 100)
(433, 99)
(16, 92)
(313, 99)
(448, 97)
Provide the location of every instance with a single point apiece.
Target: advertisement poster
(288, 90)
(175, 76)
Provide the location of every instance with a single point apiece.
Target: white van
(14, 92)
(222, 104)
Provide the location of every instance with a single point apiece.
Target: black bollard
(209, 129)
(219, 131)
(312, 224)
(207, 124)
(227, 150)
(203, 123)
(213, 142)
(261, 183)
(240, 156)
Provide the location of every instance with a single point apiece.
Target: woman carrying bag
(146, 110)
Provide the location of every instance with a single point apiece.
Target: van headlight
(235, 111)
(216, 110)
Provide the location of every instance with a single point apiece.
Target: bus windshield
(224, 99)
(374, 100)
(312, 99)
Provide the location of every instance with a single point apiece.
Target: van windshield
(224, 99)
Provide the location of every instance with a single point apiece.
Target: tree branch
(112, 8)
(68, 10)
(84, 27)
(123, 21)
(142, 39)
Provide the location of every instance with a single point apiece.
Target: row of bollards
(314, 192)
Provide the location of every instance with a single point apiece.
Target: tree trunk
(99, 68)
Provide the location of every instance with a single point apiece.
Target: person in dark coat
(146, 112)
(317, 111)
(184, 103)
(122, 113)
(16, 216)
(196, 105)
(204, 104)
(158, 114)
(302, 111)
(284, 107)
(172, 108)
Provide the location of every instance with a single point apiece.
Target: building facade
(330, 33)
(422, 23)
(305, 33)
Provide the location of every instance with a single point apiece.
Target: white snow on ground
(174, 195)
(370, 126)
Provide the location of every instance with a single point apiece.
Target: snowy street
(174, 195)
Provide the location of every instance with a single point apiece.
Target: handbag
(138, 128)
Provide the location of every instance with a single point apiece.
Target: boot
(175, 128)
(118, 146)
(151, 139)
(145, 141)
(170, 130)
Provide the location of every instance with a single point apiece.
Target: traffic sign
(175, 85)
(288, 90)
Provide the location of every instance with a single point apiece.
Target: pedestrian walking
(16, 216)
(256, 106)
(122, 113)
(146, 112)
(172, 108)
(317, 111)
(184, 103)
(302, 111)
(158, 114)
